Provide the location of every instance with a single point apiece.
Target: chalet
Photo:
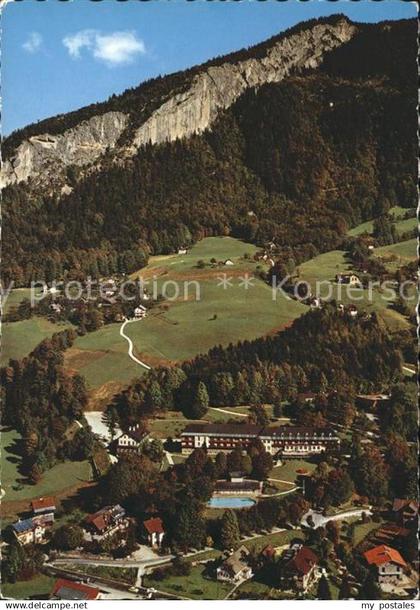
(75, 591)
(154, 531)
(107, 522)
(29, 531)
(309, 397)
(140, 312)
(229, 262)
(43, 510)
(235, 568)
(405, 512)
(299, 567)
(131, 441)
(388, 563)
(348, 278)
(285, 441)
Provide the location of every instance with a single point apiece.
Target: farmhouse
(287, 441)
(388, 563)
(182, 250)
(299, 567)
(348, 278)
(132, 440)
(29, 531)
(106, 522)
(43, 510)
(235, 568)
(140, 312)
(228, 262)
(77, 591)
(154, 531)
(405, 511)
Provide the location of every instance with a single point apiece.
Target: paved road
(130, 344)
(320, 520)
(229, 412)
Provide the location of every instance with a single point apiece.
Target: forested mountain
(298, 155)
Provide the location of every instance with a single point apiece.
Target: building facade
(286, 441)
(388, 562)
(29, 531)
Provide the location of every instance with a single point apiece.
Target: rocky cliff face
(218, 87)
(212, 90)
(45, 155)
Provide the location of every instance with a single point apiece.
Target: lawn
(39, 587)
(287, 472)
(55, 480)
(398, 254)
(20, 338)
(361, 530)
(253, 587)
(275, 539)
(194, 586)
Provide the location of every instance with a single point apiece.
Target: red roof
(43, 503)
(67, 589)
(383, 554)
(154, 526)
(303, 561)
(98, 521)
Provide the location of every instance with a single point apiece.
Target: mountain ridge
(311, 155)
(213, 87)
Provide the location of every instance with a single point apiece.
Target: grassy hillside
(20, 338)
(323, 268)
(54, 481)
(396, 255)
(180, 329)
(402, 225)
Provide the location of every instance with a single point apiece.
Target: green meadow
(20, 338)
(55, 480)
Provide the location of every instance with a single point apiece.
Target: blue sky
(59, 56)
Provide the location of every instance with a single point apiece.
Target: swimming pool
(230, 502)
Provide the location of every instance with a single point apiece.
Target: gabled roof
(154, 526)
(383, 554)
(43, 504)
(105, 517)
(235, 563)
(303, 561)
(401, 503)
(67, 589)
(25, 525)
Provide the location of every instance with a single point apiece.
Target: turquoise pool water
(231, 502)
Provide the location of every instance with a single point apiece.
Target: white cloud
(76, 42)
(33, 43)
(115, 49)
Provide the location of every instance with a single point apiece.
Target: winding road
(130, 344)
